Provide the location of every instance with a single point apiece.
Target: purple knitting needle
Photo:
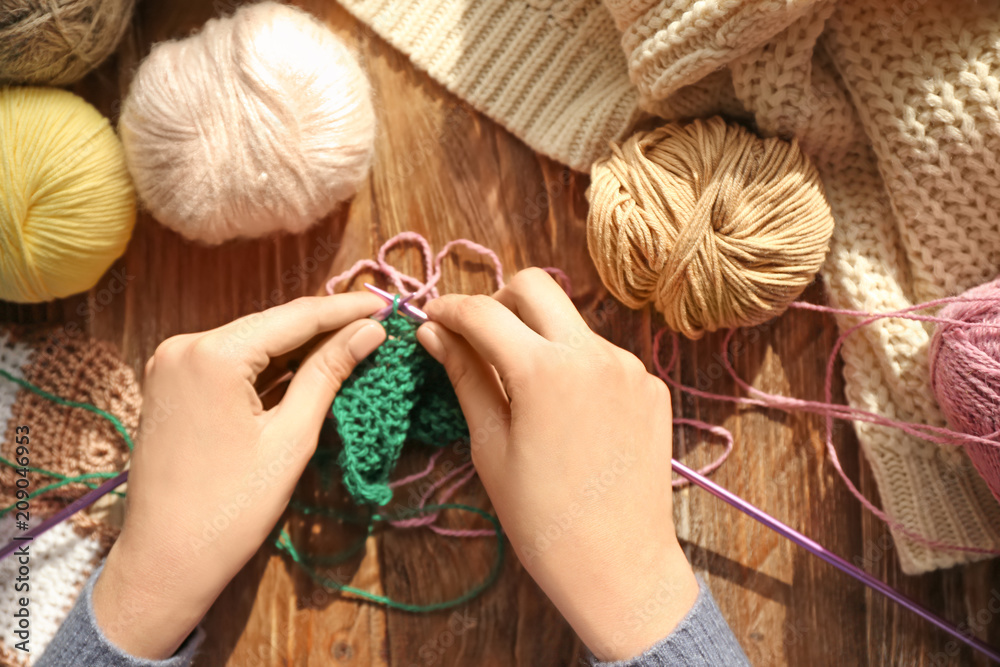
(85, 500)
(380, 315)
(833, 559)
(405, 308)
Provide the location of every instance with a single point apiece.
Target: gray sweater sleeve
(80, 642)
(701, 639)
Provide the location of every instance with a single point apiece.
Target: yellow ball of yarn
(715, 226)
(67, 207)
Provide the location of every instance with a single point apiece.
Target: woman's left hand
(213, 470)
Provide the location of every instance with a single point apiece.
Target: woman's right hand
(571, 437)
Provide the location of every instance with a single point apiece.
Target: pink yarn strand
(830, 411)
(431, 462)
(720, 431)
(470, 472)
(473, 246)
(466, 472)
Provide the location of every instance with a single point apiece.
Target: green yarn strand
(330, 513)
(63, 479)
(284, 543)
(58, 400)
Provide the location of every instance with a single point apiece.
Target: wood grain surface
(446, 171)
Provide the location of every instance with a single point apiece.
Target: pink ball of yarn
(261, 122)
(965, 375)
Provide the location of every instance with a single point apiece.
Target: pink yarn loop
(720, 431)
(406, 284)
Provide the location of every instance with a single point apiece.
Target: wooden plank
(446, 171)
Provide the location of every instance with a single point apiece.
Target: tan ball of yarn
(715, 226)
(57, 42)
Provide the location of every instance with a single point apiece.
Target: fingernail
(365, 340)
(427, 336)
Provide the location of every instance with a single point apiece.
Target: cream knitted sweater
(898, 105)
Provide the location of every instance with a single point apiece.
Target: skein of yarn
(715, 226)
(67, 207)
(965, 374)
(57, 43)
(261, 122)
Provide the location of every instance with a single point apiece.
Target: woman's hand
(212, 469)
(571, 437)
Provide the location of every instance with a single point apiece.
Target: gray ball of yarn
(56, 42)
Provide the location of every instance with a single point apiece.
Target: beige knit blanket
(897, 103)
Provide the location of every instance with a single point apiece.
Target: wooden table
(446, 171)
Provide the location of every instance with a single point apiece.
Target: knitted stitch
(398, 393)
(551, 71)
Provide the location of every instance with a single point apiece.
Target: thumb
(311, 392)
(479, 391)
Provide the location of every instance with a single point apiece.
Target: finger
(258, 337)
(483, 401)
(490, 328)
(535, 297)
(314, 386)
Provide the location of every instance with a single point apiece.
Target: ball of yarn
(965, 374)
(56, 43)
(67, 207)
(715, 226)
(261, 122)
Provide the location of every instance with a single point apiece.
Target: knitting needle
(406, 308)
(380, 315)
(85, 500)
(833, 559)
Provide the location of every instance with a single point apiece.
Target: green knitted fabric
(398, 394)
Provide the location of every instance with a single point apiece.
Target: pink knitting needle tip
(407, 309)
(833, 559)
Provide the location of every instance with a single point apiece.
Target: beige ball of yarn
(261, 122)
(57, 42)
(715, 226)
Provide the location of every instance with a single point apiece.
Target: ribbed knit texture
(552, 72)
(69, 441)
(398, 394)
(673, 43)
(701, 639)
(896, 104)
